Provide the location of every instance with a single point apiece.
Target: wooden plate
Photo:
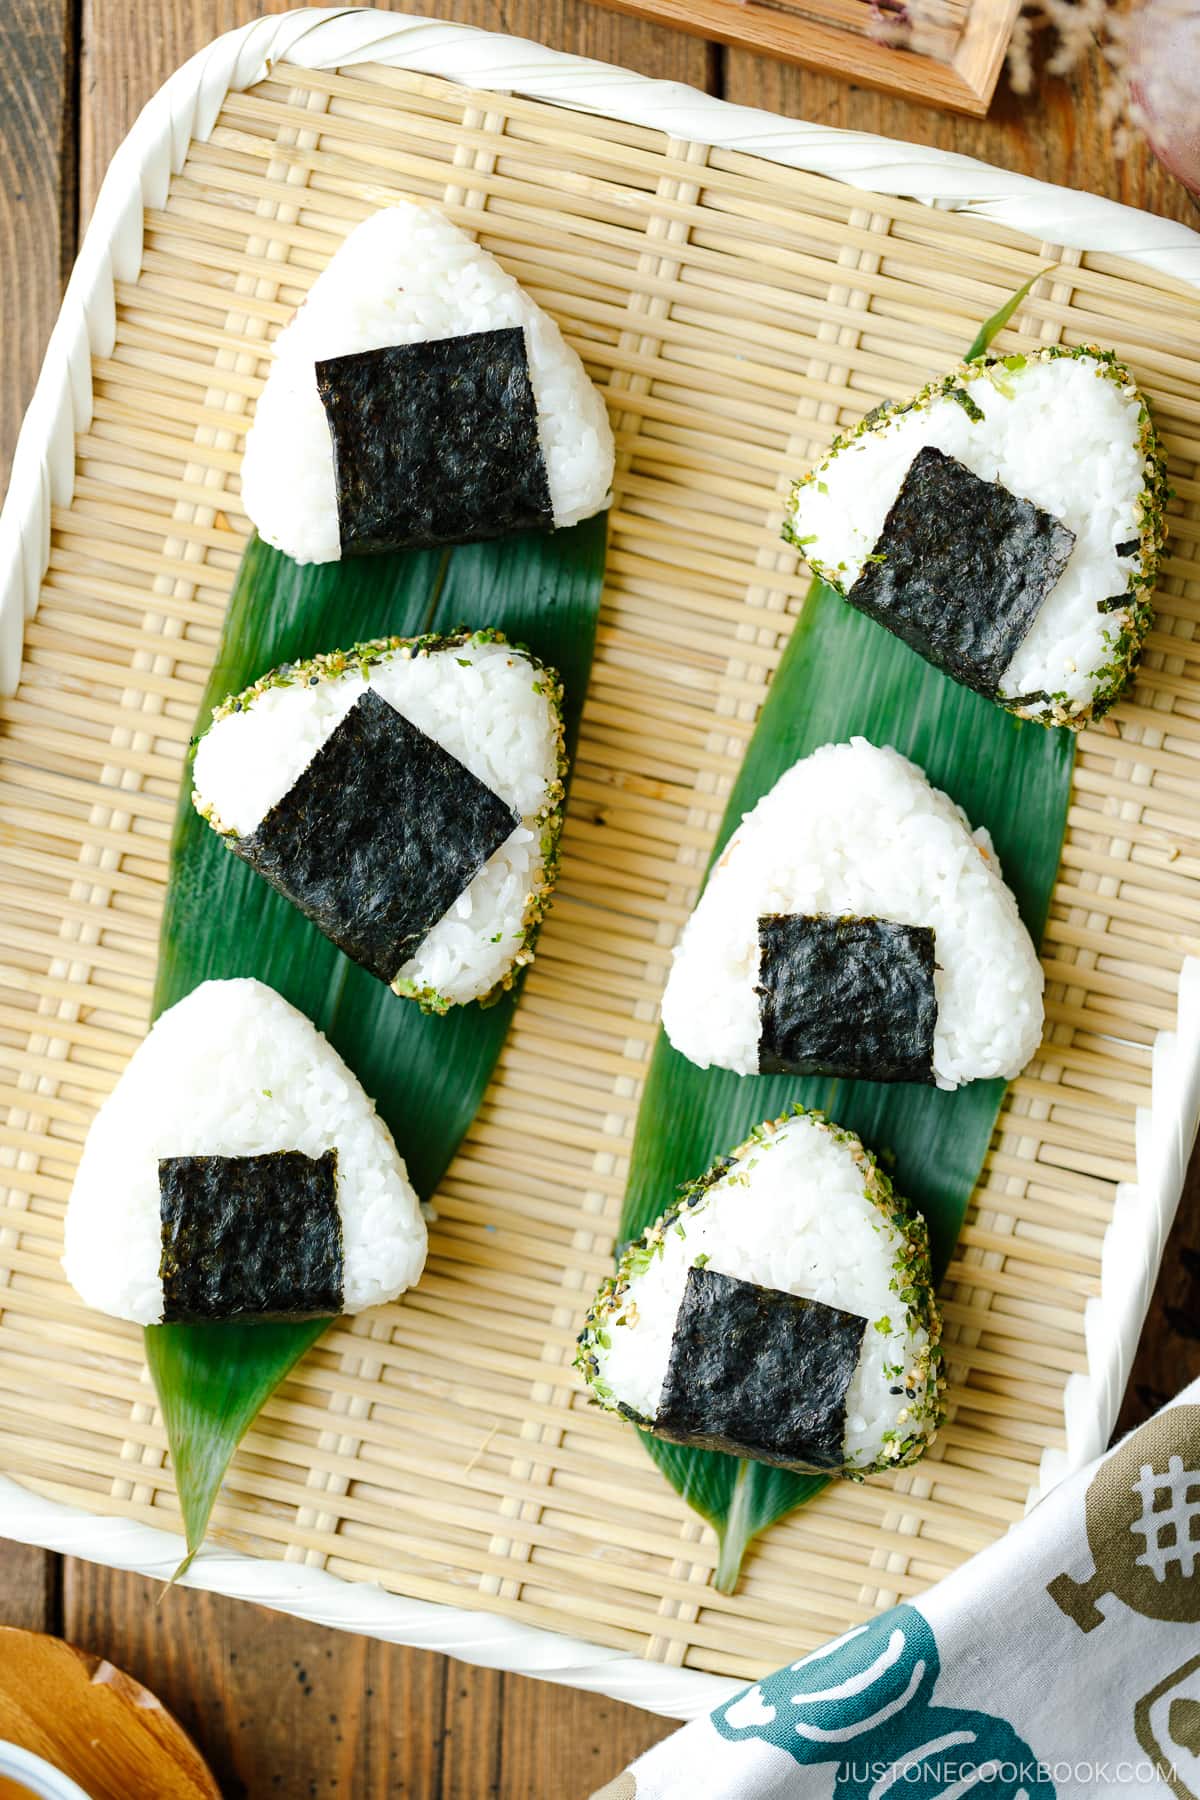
(99, 1726)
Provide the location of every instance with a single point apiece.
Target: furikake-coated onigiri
(781, 1310)
(1007, 524)
(407, 796)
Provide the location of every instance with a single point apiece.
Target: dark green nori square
(846, 997)
(435, 443)
(759, 1373)
(960, 569)
(250, 1237)
(379, 836)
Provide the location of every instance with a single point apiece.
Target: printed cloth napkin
(1062, 1662)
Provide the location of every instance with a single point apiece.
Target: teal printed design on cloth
(866, 1703)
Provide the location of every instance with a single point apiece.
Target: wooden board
(951, 59)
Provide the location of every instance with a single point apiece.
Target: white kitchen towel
(1061, 1663)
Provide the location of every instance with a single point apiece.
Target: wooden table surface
(280, 1707)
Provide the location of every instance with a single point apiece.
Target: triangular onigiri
(238, 1170)
(780, 1309)
(406, 795)
(419, 396)
(1006, 524)
(855, 926)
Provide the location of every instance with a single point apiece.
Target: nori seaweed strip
(760, 1373)
(847, 997)
(379, 836)
(960, 569)
(435, 443)
(1129, 547)
(250, 1237)
(1114, 603)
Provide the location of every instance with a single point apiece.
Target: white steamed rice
(484, 703)
(857, 830)
(1061, 433)
(794, 1213)
(233, 1070)
(404, 276)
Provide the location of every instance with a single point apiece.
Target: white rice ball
(404, 276)
(855, 830)
(492, 706)
(803, 1209)
(233, 1070)
(1068, 432)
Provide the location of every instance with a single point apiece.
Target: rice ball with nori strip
(850, 889)
(237, 1171)
(1006, 523)
(419, 396)
(407, 796)
(781, 1310)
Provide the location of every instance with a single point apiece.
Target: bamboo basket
(736, 311)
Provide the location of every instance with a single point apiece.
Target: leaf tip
(992, 327)
(179, 1573)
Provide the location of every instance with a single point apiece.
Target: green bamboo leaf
(992, 327)
(841, 676)
(427, 1075)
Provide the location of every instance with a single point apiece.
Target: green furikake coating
(379, 836)
(961, 568)
(846, 997)
(435, 442)
(250, 1237)
(757, 1372)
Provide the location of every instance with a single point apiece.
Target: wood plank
(275, 1704)
(29, 1587)
(473, 1740)
(278, 1705)
(37, 225)
(1056, 134)
(37, 194)
(547, 1729)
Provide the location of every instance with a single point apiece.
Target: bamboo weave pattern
(736, 313)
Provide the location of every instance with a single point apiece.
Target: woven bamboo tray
(735, 311)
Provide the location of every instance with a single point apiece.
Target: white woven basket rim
(186, 108)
